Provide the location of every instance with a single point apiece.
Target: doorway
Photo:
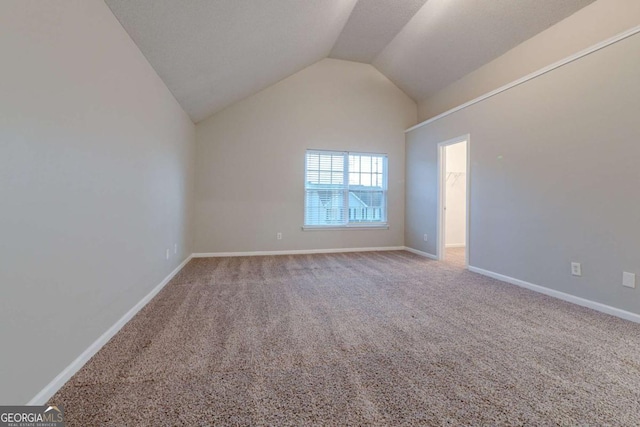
(453, 200)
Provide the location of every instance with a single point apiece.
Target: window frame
(383, 224)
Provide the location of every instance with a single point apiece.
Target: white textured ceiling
(447, 39)
(212, 53)
(371, 26)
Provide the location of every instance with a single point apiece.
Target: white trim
(596, 47)
(603, 308)
(467, 235)
(441, 217)
(367, 226)
(64, 376)
(417, 252)
(455, 245)
(297, 252)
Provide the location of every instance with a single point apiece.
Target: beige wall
(95, 183)
(590, 25)
(554, 177)
(250, 158)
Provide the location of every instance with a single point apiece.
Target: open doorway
(453, 209)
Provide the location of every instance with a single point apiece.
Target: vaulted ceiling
(212, 53)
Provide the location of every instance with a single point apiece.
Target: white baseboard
(417, 252)
(64, 376)
(627, 315)
(296, 252)
(454, 245)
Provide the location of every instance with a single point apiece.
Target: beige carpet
(386, 338)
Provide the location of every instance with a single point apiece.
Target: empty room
(319, 212)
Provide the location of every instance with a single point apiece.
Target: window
(345, 189)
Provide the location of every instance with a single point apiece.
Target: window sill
(345, 227)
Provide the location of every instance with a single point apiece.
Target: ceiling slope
(371, 26)
(447, 39)
(211, 54)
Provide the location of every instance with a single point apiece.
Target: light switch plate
(628, 280)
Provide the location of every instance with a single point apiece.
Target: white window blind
(345, 189)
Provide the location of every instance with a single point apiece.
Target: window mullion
(345, 172)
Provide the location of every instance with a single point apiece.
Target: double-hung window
(345, 189)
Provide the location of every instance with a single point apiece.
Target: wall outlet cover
(628, 280)
(576, 269)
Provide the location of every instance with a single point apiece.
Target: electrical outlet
(628, 280)
(425, 237)
(576, 269)
(175, 248)
(167, 254)
(279, 236)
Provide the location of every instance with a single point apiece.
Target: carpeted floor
(378, 338)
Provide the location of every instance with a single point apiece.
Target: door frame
(442, 180)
